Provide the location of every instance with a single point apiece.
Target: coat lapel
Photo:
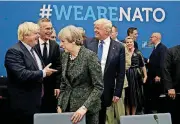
(40, 57)
(112, 49)
(38, 49)
(50, 49)
(77, 65)
(64, 66)
(28, 55)
(155, 50)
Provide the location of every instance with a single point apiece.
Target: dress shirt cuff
(44, 73)
(117, 93)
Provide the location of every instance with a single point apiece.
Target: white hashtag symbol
(45, 12)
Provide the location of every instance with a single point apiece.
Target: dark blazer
(156, 61)
(24, 80)
(50, 82)
(85, 86)
(171, 69)
(114, 69)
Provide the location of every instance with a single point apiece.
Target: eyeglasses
(53, 36)
(152, 36)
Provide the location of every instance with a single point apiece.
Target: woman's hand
(78, 115)
(59, 110)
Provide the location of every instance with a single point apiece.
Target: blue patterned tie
(100, 50)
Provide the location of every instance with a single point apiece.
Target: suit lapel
(112, 49)
(38, 49)
(157, 47)
(154, 51)
(28, 55)
(40, 57)
(76, 66)
(64, 66)
(50, 50)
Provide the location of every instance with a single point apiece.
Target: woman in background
(81, 84)
(136, 77)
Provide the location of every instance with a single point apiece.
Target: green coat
(86, 84)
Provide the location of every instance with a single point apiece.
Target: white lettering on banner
(90, 13)
(78, 11)
(163, 14)
(127, 15)
(137, 14)
(62, 11)
(147, 12)
(95, 12)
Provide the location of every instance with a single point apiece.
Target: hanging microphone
(156, 119)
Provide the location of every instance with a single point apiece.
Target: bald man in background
(154, 87)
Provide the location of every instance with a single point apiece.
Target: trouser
(152, 91)
(116, 110)
(49, 104)
(102, 114)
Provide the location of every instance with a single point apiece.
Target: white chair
(55, 118)
(164, 118)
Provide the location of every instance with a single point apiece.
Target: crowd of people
(102, 78)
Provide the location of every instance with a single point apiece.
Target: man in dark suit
(171, 80)
(132, 32)
(25, 74)
(154, 87)
(50, 52)
(112, 58)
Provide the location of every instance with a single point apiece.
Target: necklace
(72, 57)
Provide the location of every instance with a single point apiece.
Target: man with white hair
(116, 110)
(154, 86)
(25, 74)
(50, 52)
(111, 55)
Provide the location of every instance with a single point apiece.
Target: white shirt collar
(42, 41)
(157, 44)
(106, 41)
(27, 46)
(116, 39)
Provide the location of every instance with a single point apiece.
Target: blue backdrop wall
(148, 17)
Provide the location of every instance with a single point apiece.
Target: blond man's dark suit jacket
(114, 69)
(86, 85)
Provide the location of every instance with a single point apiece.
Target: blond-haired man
(117, 109)
(25, 73)
(111, 55)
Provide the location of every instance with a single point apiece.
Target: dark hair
(130, 30)
(115, 28)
